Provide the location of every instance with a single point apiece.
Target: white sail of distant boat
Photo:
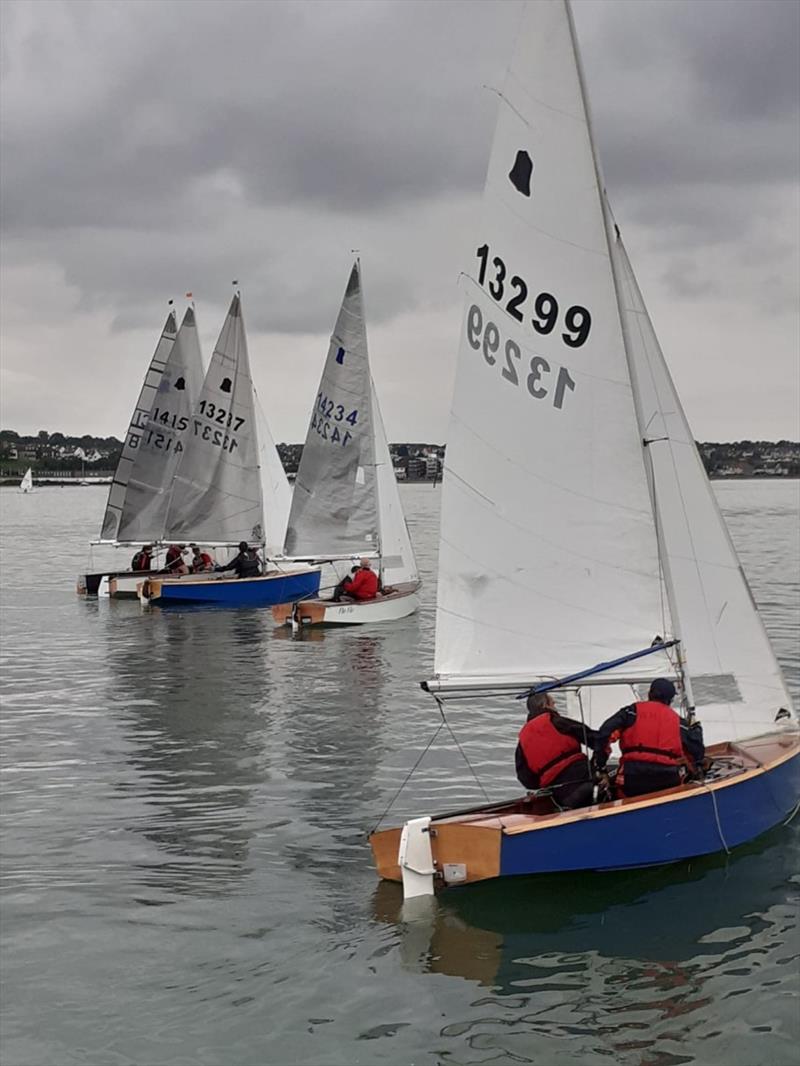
(144, 509)
(217, 495)
(136, 430)
(577, 521)
(26, 485)
(346, 502)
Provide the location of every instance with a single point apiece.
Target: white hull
(327, 613)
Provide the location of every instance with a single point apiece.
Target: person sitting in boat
(174, 563)
(201, 561)
(143, 559)
(363, 584)
(245, 564)
(549, 753)
(655, 742)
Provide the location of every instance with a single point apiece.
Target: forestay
(146, 502)
(397, 563)
(736, 681)
(216, 496)
(548, 560)
(334, 504)
(133, 438)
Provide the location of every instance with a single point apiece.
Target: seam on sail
(640, 512)
(534, 534)
(534, 591)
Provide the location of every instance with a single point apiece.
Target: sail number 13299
(508, 356)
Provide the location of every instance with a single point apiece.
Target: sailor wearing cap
(654, 740)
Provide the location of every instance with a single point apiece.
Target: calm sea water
(185, 799)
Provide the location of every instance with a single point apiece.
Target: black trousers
(639, 778)
(574, 787)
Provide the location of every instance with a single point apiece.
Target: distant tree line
(414, 461)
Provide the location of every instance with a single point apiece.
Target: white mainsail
(335, 503)
(548, 560)
(216, 495)
(144, 510)
(26, 485)
(736, 681)
(138, 425)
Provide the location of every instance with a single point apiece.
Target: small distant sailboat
(218, 490)
(346, 503)
(26, 485)
(578, 523)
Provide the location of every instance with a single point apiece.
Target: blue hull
(660, 832)
(244, 592)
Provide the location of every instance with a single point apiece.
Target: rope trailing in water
(793, 813)
(716, 815)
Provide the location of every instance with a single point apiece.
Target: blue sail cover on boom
(600, 668)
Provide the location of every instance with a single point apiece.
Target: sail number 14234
(538, 377)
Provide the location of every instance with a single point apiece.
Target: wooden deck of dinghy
(474, 837)
(312, 612)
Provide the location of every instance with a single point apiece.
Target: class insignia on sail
(521, 173)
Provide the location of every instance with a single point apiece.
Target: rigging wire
(407, 778)
(444, 724)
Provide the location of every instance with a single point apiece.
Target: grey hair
(538, 701)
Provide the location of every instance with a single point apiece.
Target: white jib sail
(150, 479)
(548, 560)
(216, 496)
(736, 681)
(275, 487)
(138, 425)
(334, 505)
(26, 485)
(397, 563)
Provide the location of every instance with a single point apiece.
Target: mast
(611, 236)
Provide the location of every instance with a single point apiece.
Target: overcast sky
(156, 147)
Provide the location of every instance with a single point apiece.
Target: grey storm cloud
(153, 146)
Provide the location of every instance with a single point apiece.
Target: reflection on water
(206, 760)
(642, 957)
(191, 708)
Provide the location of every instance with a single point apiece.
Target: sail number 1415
(537, 378)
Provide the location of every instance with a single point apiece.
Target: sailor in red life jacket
(549, 753)
(363, 585)
(201, 561)
(654, 740)
(143, 559)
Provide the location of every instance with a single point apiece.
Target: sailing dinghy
(218, 495)
(346, 503)
(118, 518)
(578, 525)
(26, 485)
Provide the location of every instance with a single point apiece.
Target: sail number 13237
(539, 376)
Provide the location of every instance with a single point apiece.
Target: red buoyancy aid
(364, 585)
(654, 737)
(547, 752)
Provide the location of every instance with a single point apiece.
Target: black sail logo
(521, 173)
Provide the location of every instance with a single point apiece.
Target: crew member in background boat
(174, 563)
(549, 753)
(245, 564)
(201, 561)
(655, 743)
(143, 559)
(362, 585)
